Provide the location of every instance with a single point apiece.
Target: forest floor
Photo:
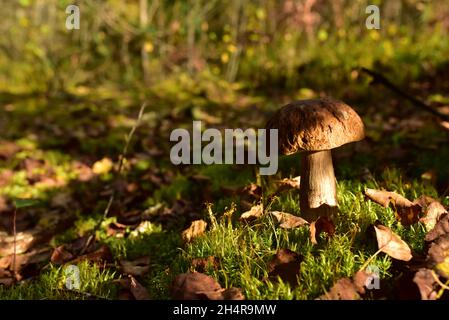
(63, 155)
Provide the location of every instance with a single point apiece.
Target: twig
(119, 173)
(367, 262)
(418, 103)
(437, 279)
(15, 243)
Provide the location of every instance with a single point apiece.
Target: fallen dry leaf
(8, 149)
(343, 289)
(60, 255)
(189, 286)
(223, 294)
(137, 267)
(438, 255)
(391, 244)
(196, 228)
(103, 254)
(288, 221)
(139, 292)
(6, 176)
(288, 183)
(441, 228)
(233, 294)
(348, 289)
(406, 211)
(198, 286)
(285, 264)
(254, 213)
(202, 264)
(432, 213)
(251, 192)
(427, 285)
(49, 224)
(322, 224)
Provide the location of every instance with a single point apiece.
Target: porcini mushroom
(315, 127)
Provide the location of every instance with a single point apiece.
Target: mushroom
(315, 127)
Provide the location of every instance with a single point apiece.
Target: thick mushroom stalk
(318, 190)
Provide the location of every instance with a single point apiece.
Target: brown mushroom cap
(316, 125)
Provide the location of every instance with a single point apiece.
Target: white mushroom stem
(318, 189)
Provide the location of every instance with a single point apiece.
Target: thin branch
(437, 279)
(15, 244)
(122, 157)
(416, 102)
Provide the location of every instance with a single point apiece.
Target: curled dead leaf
(391, 244)
(254, 213)
(441, 228)
(288, 183)
(343, 289)
(196, 228)
(406, 211)
(139, 291)
(286, 265)
(432, 213)
(103, 254)
(60, 255)
(322, 224)
(349, 289)
(426, 283)
(190, 286)
(288, 221)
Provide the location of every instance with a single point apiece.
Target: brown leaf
(233, 294)
(60, 255)
(348, 289)
(254, 213)
(426, 284)
(391, 244)
(6, 176)
(103, 254)
(190, 286)
(202, 264)
(52, 222)
(196, 229)
(8, 149)
(285, 264)
(424, 201)
(438, 255)
(139, 292)
(137, 267)
(432, 213)
(441, 228)
(25, 261)
(288, 221)
(322, 224)
(407, 211)
(251, 192)
(288, 183)
(223, 294)
(343, 289)
(360, 280)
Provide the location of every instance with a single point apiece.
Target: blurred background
(259, 45)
